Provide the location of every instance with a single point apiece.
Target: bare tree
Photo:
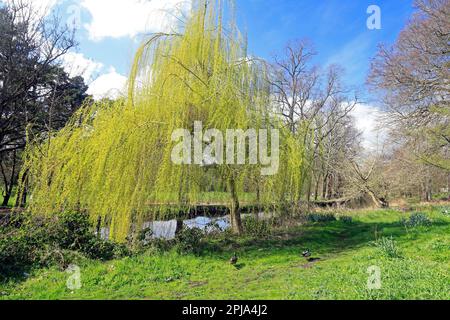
(340, 148)
(413, 77)
(295, 82)
(368, 178)
(312, 103)
(407, 177)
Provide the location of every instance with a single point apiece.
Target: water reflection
(209, 224)
(167, 229)
(162, 229)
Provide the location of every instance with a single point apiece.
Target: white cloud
(129, 18)
(367, 119)
(111, 85)
(76, 64)
(108, 85)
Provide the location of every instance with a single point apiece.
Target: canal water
(167, 229)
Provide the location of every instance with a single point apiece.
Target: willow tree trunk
(8, 181)
(325, 186)
(235, 210)
(258, 198)
(6, 197)
(330, 187)
(316, 190)
(180, 225)
(21, 199)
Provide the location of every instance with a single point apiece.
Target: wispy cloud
(354, 57)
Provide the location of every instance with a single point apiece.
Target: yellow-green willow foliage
(113, 159)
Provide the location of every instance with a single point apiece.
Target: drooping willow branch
(113, 160)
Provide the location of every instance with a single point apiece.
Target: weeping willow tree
(115, 160)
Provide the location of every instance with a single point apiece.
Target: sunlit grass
(273, 268)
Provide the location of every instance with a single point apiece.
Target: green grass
(224, 197)
(12, 199)
(273, 268)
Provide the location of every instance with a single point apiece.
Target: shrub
(417, 219)
(189, 240)
(388, 247)
(73, 231)
(17, 250)
(321, 217)
(145, 242)
(346, 219)
(96, 248)
(145, 235)
(213, 228)
(141, 239)
(445, 211)
(257, 228)
(41, 241)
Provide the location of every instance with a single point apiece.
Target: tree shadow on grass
(325, 238)
(239, 266)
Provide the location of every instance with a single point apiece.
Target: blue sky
(109, 32)
(337, 28)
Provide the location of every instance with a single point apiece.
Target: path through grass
(273, 268)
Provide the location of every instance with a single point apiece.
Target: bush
(146, 243)
(445, 211)
(388, 247)
(71, 230)
(417, 219)
(346, 219)
(17, 250)
(145, 235)
(41, 242)
(321, 217)
(189, 240)
(213, 229)
(256, 227)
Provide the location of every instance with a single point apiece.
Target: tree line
(112, 159)
(37, 96)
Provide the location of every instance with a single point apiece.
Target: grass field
(414, 265)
